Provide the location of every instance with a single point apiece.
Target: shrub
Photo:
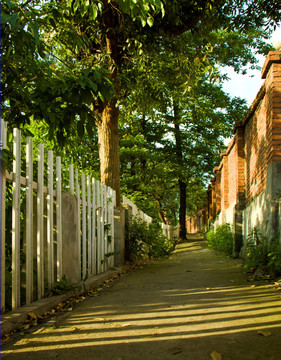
(221, 240)
(147, 241)
(263, 254)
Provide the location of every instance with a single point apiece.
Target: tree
(120, 37)
(182, 90)
(79, 53)
(35, 83)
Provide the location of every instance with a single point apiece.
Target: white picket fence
(95, 204)
(136, 212)
(169, 231)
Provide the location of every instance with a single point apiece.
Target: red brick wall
(256, 143)
(255, 151)
(194, 223)
(273, 90)
(224, 180)
(218, 189)
(232, 170)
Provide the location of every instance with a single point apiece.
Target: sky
(247, 86)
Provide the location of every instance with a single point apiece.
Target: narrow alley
(194, 305)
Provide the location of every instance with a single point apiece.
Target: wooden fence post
(40, 222)
(89, 220)
(84, 227)
(50, 220)
(98, 229)
(29, 220)
(59, 222)
(16, 221)
(3, 214)
(71, 180)
(78, 217)
(102, 226)
(94, 239)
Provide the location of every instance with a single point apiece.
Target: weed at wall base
(262, 255)
(221, 240)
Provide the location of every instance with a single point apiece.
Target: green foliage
(262, 254)
(40, 78)
(221, 240)
(6, 156)
(147, 241)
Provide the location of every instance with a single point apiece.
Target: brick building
(246, 188)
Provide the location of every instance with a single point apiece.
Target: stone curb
(14, 319)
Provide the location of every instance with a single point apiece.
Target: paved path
(184, 307)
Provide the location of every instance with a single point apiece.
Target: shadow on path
(184, 307)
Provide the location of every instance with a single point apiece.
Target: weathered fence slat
(71, 179)
(16, 220)
(113, 201)
(89, 220)
(98, 228)
(3, 215)
(40, 222)
(105, 258)
(78, 217)
(50, 220)
(59, 219)
(94, 244)
(102, 227)
(29, 220)
(84, 227)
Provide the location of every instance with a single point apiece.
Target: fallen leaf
(177, 352)
(216, 356)
(32, 315)
(264, 333)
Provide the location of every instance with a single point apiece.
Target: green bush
(221, 240)
(147, 241)
(263, 254)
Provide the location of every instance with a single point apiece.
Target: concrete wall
(119, 236)
(70, 258)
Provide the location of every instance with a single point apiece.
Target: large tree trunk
(109, 112)
(109, 147)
